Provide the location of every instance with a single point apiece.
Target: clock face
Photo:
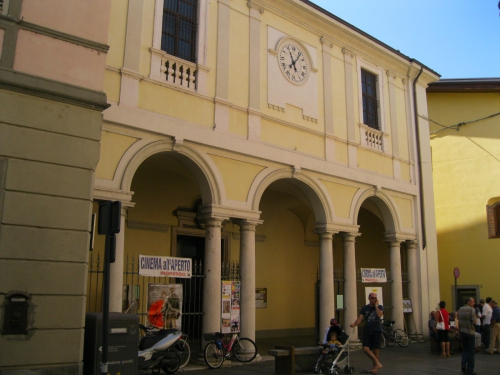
(293, 62)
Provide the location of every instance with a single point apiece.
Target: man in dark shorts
(372, 333)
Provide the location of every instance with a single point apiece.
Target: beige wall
(51, 103)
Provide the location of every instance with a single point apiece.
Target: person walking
(466, 320)
(487, 311)
(444, 317)
(494, 328)
(372, 332)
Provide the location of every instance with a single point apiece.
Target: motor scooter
(156, 351)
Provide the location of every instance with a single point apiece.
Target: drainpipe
(420, 179)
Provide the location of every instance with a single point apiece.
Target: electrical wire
(457, 126)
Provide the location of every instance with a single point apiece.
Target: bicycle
(390, 336)
(216, 351)
(183, 349)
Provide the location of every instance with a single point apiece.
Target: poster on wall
(260, 298)
(165, 305)
(230, 319)
(373, 275)
(375, 289)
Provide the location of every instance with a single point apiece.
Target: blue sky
(455, 38)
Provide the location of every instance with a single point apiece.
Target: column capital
(210, 215)
(349, 236)
(411, 244)
(246, 224)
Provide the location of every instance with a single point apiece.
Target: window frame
(157, 54)
(380, 135)
(370, 79)
(177, 31)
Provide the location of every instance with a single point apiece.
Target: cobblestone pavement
(414, 359)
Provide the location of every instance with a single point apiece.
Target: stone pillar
(413, 288)
(212, 270)
(326, 290)
(116, 268)
(397, 283)
(247, 270)
(350, 290)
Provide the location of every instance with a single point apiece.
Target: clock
(294, 62)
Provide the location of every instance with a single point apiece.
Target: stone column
(413, 288)
(397, 283)
(212, 271)
(350, 290)
(326, 290)
(247, 270)
(116, 268)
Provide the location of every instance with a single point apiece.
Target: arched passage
(378, 246)
(294, 210)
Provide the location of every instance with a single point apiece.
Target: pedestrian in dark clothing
(372, 334)
(466, 320)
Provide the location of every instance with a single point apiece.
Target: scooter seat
(147, 342)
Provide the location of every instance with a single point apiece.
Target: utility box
(122, 344)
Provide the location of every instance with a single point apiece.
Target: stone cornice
(106, 193)
(52, 90)
(87, 43)
(225, 213)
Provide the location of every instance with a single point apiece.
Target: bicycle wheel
(382, 341)
(389, 339)
(401, 337)
(213, 356)
(244, 350)
(184, 351)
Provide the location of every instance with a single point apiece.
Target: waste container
(122, 344)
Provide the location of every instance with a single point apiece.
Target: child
(332, 344)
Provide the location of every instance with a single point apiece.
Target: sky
(455, 38)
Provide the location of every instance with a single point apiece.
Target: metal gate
(135, 292)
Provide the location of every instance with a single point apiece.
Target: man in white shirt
(486, 321)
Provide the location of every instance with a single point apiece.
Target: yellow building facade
(464, 123)
(266, 134)
(260, 127)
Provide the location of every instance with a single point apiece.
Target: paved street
(414, 359)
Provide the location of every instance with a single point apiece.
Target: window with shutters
(493, 217)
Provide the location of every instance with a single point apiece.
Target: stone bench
(286, 357)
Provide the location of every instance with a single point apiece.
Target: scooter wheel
(333, 372)
(171, 365)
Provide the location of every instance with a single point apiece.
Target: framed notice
(260, 298)
(407, 308)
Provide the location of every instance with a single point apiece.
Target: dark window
(179, 28)
(493, 216)
(370, 99)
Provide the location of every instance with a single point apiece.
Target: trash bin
(122, 344)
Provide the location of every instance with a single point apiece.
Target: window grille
(179, 28)
(370, 99)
